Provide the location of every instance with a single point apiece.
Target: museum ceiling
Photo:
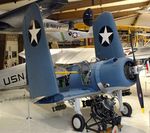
(74, 10)
(119, 8)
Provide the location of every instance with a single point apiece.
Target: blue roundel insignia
(34, 33)
(105, 36)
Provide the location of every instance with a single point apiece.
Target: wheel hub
(125, 110)
(77, 123)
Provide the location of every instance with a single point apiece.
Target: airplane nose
(129, 71)
(116, 72)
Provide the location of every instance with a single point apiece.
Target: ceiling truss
(75, 10)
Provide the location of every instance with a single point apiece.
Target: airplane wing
(141, 53)
(67, 95)
(73, 55)
(70, 55)
(77, 55)
(13, 19)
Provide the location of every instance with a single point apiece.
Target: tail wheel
(127, 110)
(78, 122)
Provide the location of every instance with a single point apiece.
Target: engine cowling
(115, 73)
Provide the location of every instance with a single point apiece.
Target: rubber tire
(129, 109)
(82, 122)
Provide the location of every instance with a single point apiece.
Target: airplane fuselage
(86, 78)
(13, 77)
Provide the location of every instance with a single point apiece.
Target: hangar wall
(20, 48)
(11, 51)
(11, 45)
(2, 49)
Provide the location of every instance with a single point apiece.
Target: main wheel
(127, 111)
(78, 122)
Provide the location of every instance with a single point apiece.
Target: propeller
(138, 84)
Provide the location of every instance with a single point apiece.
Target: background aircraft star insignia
(105, 36)
(34, 33)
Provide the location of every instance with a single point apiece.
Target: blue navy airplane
(112, 72)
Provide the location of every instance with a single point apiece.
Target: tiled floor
(14, 111)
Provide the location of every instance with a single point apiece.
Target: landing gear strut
(125, 108)
(78, 121)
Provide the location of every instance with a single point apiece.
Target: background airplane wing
(70, 55)
(14, 18)
(73, 55)
(141, 53)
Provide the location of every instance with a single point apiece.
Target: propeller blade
(132, 49)
(138, 84)
(140, 93)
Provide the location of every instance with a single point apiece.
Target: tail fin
(40, 71)
(106, 38)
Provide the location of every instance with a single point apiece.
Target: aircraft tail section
(40, 72)
(106, 38)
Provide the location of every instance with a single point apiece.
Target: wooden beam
(133, 28)
(125, 17)
(119, 14)
(135, 20)
(124, 13)
(79, 13)
(86, 3)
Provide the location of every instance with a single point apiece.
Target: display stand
(102, 116)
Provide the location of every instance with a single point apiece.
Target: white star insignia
(34, 33)
(105, 35)
(75, 35)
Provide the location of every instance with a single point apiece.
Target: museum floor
(14, 111)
